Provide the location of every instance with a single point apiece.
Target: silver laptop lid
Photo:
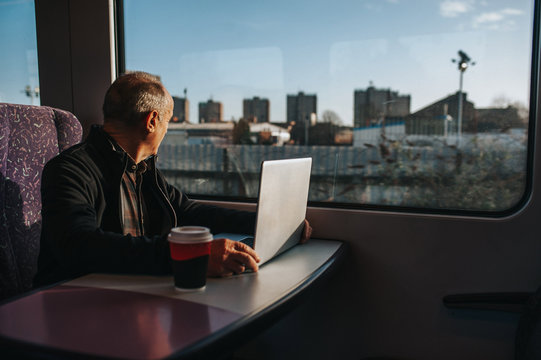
(281, 208)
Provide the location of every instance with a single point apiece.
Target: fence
(391, 172)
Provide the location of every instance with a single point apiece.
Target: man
(106, 208)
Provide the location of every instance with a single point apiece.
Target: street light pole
(460, 105)
(463, 63)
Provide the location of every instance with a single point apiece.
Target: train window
(19, 82)
(417, 105)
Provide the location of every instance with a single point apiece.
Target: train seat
(29, 137)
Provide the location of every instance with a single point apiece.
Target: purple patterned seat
(29, 137)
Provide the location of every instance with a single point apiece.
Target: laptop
(281, 207)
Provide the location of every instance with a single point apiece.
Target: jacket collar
(109, 148)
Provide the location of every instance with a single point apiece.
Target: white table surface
(242, 294)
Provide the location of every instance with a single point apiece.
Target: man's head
(137, 103)
(132, 96)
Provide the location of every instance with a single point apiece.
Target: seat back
(29, 137)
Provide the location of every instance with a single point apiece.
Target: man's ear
(151, 121)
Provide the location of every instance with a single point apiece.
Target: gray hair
(134, 95)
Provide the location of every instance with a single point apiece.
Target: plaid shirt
(131, 200)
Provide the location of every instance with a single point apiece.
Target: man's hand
(306, 232)
(228, 257)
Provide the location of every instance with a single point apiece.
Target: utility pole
(384, 113)
(31, 93)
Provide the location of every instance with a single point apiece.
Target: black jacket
(82, 231)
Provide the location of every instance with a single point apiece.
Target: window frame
(534, 105)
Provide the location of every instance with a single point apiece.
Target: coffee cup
(190, 251)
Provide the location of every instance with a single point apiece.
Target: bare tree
(241, 132)
(503, 101)
(330, 116)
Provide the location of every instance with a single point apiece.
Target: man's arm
(217, 219)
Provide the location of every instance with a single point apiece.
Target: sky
(229, 50)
